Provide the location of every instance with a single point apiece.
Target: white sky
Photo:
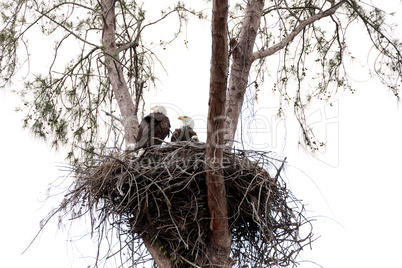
(352, 188)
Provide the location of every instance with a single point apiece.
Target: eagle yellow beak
(153, 108)
(180, 118)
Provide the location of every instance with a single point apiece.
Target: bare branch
(128, 45)
(302, 24)
(113, 116)
(67, 30)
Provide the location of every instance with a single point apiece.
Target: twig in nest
(163, 195)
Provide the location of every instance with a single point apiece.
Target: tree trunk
(243, 57)
(241, 64)
(218, 254)
(161, 260)
(115, 72)
(124, 100)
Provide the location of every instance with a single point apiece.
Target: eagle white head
(187, 121)
(159, 109)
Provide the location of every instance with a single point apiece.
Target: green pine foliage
(70, 102)
(68, 105)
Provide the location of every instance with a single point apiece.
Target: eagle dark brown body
(183, 134)
(154, 128)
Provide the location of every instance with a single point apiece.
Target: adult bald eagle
(186, 132)
(153, 128)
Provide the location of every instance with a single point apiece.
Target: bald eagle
(153, 128)
(186, 132)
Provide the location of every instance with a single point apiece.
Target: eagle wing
(162, 127)
(153, 130)
(183, 134)
(191, 133)
(176, 135)
(143, 133)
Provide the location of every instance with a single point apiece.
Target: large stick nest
(162, 196)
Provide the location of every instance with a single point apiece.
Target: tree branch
(302, 24)
(66, 29)
(128, 45)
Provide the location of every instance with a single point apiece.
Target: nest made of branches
(162, 196)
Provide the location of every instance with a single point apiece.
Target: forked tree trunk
(218, 254)
(224, 107)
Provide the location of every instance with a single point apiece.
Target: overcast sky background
(352, 188)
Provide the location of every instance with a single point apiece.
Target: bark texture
(220, 237)
(115, 72)
(159, 258)
(127, 108)
(240, 69)
(243, 57)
